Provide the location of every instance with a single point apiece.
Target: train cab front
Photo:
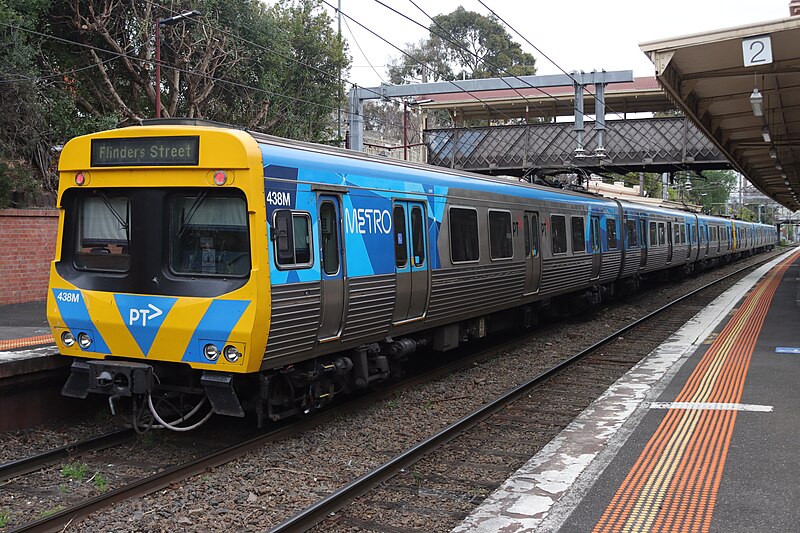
(154, 290)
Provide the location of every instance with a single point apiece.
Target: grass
(76, 471)
(51, 512)
(64, 489)
(100, 482)
(5, 516)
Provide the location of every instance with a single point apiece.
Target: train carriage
(197, 262)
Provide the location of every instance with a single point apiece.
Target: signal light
(80, 179)
(220, 177)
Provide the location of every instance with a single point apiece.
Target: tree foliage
(90, 66)
(462, 44)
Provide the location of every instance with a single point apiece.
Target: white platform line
(717, 406)
(542, 494)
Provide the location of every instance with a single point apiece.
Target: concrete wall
(27, 245)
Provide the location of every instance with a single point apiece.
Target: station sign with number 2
(757, 50)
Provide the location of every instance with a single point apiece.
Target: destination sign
(146, 151)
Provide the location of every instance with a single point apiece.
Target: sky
(576, 34)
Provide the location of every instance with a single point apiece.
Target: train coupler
(115, 378)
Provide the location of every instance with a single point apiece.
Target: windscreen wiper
(123, 223)
(192, 210)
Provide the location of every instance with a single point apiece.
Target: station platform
(702, 435)
(25, 340)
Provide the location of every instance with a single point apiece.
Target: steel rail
(58, 521)
(336, 501)
(36, 462)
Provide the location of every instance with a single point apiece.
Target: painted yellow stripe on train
(674, 483)
(174, 335)
(106, 319)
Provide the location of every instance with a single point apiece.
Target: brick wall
(27, 245)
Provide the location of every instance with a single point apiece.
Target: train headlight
(68, 339)
(84, 340)
(231, 353)
(211, 352)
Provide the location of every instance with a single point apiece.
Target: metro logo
(361, 220)
(143, 317)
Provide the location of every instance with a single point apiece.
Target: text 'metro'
(146, 151)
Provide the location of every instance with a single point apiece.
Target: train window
(578, 235)
(500, 244)
(418, 234)
(630, 233)
(400, 238)
(594, 234)
(103, 241)
(463, 235)
(683, 233)
(653, 234)
(329, 233)
(676, 233)
(558, 223)
(662, 234)
(209, 235)
(611, 233)
(534, 234)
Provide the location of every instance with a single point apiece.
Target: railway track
(434, 484)
(557, 415)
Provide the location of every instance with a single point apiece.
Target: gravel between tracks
(266, 486)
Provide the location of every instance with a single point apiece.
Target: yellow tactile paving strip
(26, 342)
(674, 483)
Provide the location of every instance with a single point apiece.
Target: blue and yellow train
(204, 265)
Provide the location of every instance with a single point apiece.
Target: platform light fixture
(765, 134)
(778, 166)
(772, 153)
(757, 103)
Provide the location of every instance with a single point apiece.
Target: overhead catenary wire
(503, 69)
(455, 84)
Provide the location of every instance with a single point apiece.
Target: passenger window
(418, 232)
(630, 232)
(578, 235)
(400, 238)
(653, 234)
(662, 234)
(330, 237)
(500, 244)
(292, 237)
(611, 233)
(463, 235)
(535, 234)
(676, 237)
(558, 223)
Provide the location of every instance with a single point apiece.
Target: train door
(687, 239)
(643, 241)
(596, 251)
(670, 242)
(411, 260)
(331, 268)
(533, 255)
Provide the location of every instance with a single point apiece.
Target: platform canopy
(741, 86)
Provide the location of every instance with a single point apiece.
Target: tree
(711, 189)
(70, 68)
(462, 44)
(241, 62)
